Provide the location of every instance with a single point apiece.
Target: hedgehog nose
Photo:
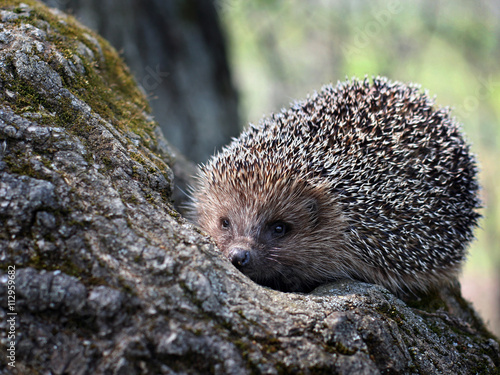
(239, 257)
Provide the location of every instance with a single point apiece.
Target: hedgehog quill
(364, 180)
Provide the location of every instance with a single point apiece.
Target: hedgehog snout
(240, 257)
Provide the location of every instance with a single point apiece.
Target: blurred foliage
(284, 49)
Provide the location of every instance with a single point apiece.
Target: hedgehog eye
(279, 228)
(225, 223)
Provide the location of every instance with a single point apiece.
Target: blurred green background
(283, 50)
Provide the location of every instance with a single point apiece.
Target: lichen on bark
(111, 279)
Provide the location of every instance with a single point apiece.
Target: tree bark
(110, 279)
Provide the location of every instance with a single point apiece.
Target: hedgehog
(367, 180)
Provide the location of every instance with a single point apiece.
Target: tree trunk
(110, 279)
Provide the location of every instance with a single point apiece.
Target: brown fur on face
(244, 216)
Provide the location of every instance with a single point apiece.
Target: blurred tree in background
(284, 49)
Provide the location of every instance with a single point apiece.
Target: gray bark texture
(110, 279)
(176, 49)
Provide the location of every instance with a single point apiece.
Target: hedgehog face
(271, 231)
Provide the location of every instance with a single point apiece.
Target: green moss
(149, 197)
(342, 349)
(396, 315)
(21, 166)
(174, 214)
(41, 261)
(138, 157)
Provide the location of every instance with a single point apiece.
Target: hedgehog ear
(312, 207)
